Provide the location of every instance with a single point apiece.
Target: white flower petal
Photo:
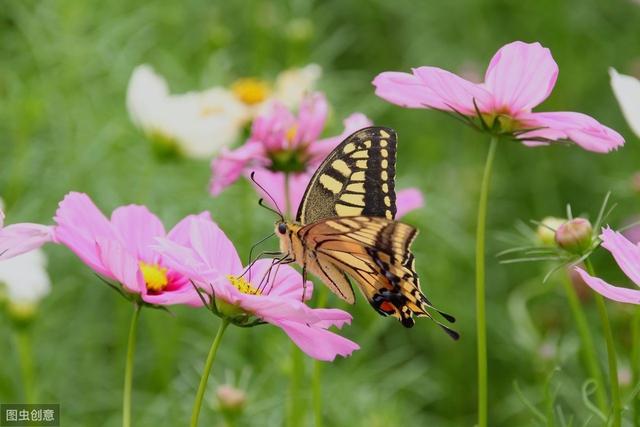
(200, 123)
(627, 91)
(25, 277)
(291, 85)
(147, 95)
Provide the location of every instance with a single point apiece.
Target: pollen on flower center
(155, 277)
(250, 90)
(243, 286)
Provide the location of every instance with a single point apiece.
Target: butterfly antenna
(277, 211)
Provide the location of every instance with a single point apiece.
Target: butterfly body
(345, 229)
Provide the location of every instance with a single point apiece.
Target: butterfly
(345, 230)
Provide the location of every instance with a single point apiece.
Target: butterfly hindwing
(356, 179)
(376, 254)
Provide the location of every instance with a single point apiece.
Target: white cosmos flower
(24, 277)
(201, 123)
(627, 91)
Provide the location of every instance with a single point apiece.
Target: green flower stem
(207, 370)
(296, 388)
(635, 364)
(481, 320)
(25, 356)
(611, 352)
(589, 352)
(317, 369)
(287, 202)
(128, 369)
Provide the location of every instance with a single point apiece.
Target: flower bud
(546, 231)
(575, 236)
(231, 400)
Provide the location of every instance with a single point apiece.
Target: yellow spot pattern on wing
(342, 167)
(384, 134)
(357, 176)
(354, 199)
(362, 164)
(349, 148)
(330, 183)
(356, 187)
(362, 154)
(343, 210)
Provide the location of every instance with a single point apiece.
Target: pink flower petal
(229, 165)
(138, 229)
(317, 342)
(79, 224)
(406, 90)
(181, 232)
(311, 119)
(270, 130)
(455, 93)
(520, 76)
(626, 254)
(186, 295)
(332, 317)
(17, 239)
(408, 200)
(120, 265)
(583, 130)
(208, 250)
(609, 291)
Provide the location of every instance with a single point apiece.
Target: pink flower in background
(627, 255)
(120, 248)
(17, 239)
(285, 150)
(211, 261)
(520, 76)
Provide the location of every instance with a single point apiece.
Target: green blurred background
(64, 69)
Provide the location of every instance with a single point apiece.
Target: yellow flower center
(154, 276)
(243, 286)
(251, 91)
(291, 133)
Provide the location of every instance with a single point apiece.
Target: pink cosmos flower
(211, 261)
(120, 248)
(284, 151)
(627, 255)
(17, 239)
(520, 76)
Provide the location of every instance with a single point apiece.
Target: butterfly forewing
(357, 178)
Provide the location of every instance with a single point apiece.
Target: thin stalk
(481, 320)
(317, 370)
(589, 352)
(611, 352)
(197, 404)
(128, 368)
(296, 387)
(635, 364)
(25, 356)
(287, 202)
